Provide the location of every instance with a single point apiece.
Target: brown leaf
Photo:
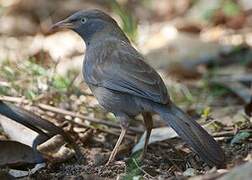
(13, 153)
(55, 149)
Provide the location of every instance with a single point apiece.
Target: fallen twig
(97, 128)
(234, 78)
(93, 120)
(65, 112)
(229, 133)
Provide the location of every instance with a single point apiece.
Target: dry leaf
(158, 134)
(16, 154)
(20, 133)
(55, 149)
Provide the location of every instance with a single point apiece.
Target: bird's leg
(149, 125)
(124, 128)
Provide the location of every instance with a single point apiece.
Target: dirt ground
(162, 161)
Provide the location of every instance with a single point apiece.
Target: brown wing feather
(123, 69)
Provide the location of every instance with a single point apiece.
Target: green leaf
(132, 171)
(8, 71)
(30, 94)
(60, 83)
(206, 112)
(208, 14)
(218, 90)
(35, 69)
(4, 90)
(230, 8)
(240, 137)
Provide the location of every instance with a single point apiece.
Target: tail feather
(191, 132)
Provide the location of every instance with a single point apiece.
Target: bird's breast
(91, 66)
(87, 69)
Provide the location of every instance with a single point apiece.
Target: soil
(162, 161)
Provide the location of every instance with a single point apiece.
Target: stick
(93, 120)
(229, 133)
(65, 112)
(97, 128)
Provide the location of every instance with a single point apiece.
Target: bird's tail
(193, 134)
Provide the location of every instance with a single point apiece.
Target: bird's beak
(64, 24)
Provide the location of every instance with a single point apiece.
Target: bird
(124, 84)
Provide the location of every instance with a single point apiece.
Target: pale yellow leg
(119, 141)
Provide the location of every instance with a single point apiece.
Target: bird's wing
(123, 69)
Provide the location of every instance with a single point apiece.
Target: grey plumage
(125, 85)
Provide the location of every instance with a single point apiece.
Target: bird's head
(90, 24)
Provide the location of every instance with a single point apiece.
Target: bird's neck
(106, 33)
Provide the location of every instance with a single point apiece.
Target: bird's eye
(83, 20)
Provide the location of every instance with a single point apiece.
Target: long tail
(193, 134)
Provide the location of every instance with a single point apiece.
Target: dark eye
(83, 20)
